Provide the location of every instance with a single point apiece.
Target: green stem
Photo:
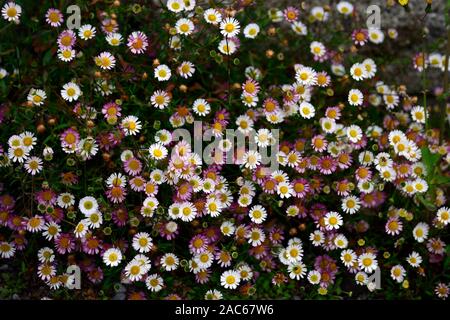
(445, 93)
(424, 83)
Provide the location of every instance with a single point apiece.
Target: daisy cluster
(94, 176)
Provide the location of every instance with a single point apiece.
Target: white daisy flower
(175, 42)
(350, 204)
(328, 125)
(36, 96)
(71, 92)
(162, 72)
(338, 69)
(81, 229)
(131, 125)
(212, 16)
(255, 236)
(333, 220)
(314, 277)
(175, 5)
(204, 260)
(154, 282)
(157, 151)
(213, 207)
(358, 72)
(370, 68)
(142, 242)
(94, 220)
(345, 8)
(297, 270)
(355, 97)
(230, 279)
(65, 200)
(361, 278)
(420, 185)
(169, 261)
(258, 214)
(348, 257)
(420, 232)
(306, 76)
(86, 32)
(3, 73)
(112, 257)
(251, 30)
(319, 13)
(263, 138)
(87, 148)
(114, 39)
(294, 253)
(317, 49)
(18, 154)
(7, 250)
(46, 271)
(186, 69)
(165, 137)
(33, 165)
(116, 180)
(66, 54)
(51, 230)
(391, 100)
(88, 205)
(398, 273)
(213, 294)
(443, 215)
(46, 255)
(307, 110)
(367, 262)
(201, 107)
(227, 228)
(299, 28)
(134, 271)
(340, 241)
(184, 26)
(251, 159)
(317, 238)
(388, 174)
(284, 190)
(249, 100)
(160, 99)
(105, 60)
(11, 11)
(418, 114)
(229, 27)
(187, 211)
(354, 133)
(376, 35)
(227, 46)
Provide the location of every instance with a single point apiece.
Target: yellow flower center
(11, 12)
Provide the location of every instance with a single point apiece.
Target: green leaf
(440, 179)
(430, 160)
(428, 204)
(47, 57)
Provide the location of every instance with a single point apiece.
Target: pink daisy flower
(300, 188)
(137, 42)
(54, 17)
(66, 39)
(133, 166)
(327, 165)
(360, 36)
(111, 109)
(291, 14)
(64, 243)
